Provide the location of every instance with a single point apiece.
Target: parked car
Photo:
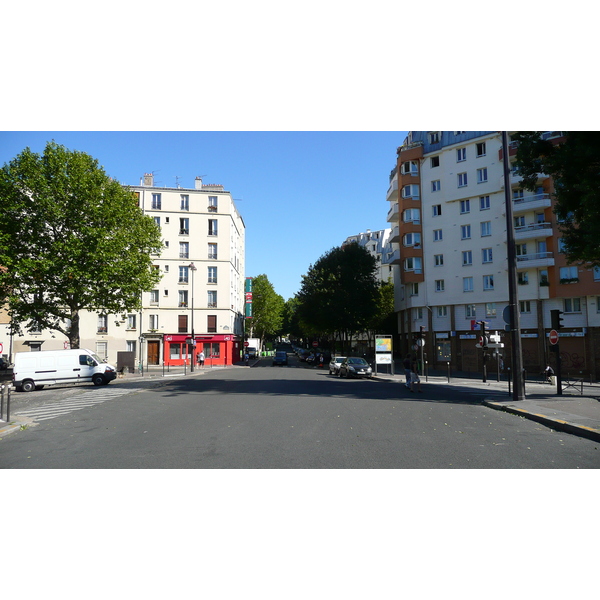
(280, 358)
(334, 365)
(304, 354)
(251, 351)
(355, 366)
(3, 363)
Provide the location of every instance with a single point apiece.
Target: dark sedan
(355, 366)
(280, 358)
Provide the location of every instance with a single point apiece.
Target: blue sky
(300, 193)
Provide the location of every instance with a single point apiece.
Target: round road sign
(553, 337)
(246, 343)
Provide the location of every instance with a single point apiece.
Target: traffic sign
(553, 337)
(246, 343)
(315, 344)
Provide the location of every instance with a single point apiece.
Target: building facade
(377, 243)
(201, 291)
(449, 235)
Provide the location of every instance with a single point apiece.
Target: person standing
(414, 377)
(407, 369)
(201, 358)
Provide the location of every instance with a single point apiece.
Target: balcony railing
(536, 256)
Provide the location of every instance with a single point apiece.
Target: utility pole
(513, 300)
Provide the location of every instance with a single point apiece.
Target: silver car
(334, 365)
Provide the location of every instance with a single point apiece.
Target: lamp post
(192, 268)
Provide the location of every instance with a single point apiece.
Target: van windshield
(96, 358)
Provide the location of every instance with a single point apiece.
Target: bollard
(448, 371)
(2, 401)
(8, 405)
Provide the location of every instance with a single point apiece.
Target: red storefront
(219, 349)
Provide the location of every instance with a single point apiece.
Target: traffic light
(484, 334)
(422, 331)
(556, 319)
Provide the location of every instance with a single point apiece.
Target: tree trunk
(74, 330)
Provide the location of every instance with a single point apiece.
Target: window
(184, 226)
(488, 282)
(153, 321)
(434, 161)
(166, 292)
(414, 289)
(102, 350)
(102, 323)
(470, 312)
(434, 137)
(212, 203)
(461, 154)
(568, 274)
(131, 346)
(480, 149)
(212, 227)
(418, 313)
(486, 228)
(519, 221)
(525, 306)
(462, 179)
(572, 305)
(185, 202)
(437, 235)
(438, 260)
(439, 285)
(467, 284)
(490, 309)
(486, 255)
(561, 246)
(467, 258)
(184, 249)
(154, 297)
(157, 220)
(436, 186)
(211, 324)
(518, 194)
(131, 322)
(465, 232)
(596, 273)
(522, 278)
(410, 191)
(412, 239)
(484, 202)
(156, 202)
(212, 251)
(412, 263)
(212, 299)
(411, 215)
(465, 206)
(437, 210)
(182, 323)
(482, 175)
(410, 167)
(521, 249)
(212, 274)
(442, 311)
(183, 298)
(183, 274)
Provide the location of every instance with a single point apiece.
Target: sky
(300, 193)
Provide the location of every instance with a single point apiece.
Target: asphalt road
(268, 417)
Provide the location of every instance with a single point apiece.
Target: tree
(71, 239)
(575, 168)
(267, 309)
(339, 293)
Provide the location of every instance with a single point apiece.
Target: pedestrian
(414, 377)
(549, 373)
(246, 358)
(407, 369)
(201, 358)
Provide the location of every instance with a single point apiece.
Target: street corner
(14, 425)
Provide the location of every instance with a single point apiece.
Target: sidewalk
(572, 412)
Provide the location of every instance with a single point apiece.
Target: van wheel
(98, 380)
(28, 386)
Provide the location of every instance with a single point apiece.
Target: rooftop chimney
(148, 179)
(198, 183)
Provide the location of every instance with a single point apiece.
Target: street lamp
(192, 268)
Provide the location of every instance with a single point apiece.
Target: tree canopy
(71, 239)
(267, 309)
(575, 168)
(340, 292)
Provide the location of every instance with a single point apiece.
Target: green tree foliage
(339, 294)
(291, 324)
(575, 167)
(71, 239)
(267, 309)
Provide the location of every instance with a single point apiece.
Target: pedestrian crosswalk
(73, 403)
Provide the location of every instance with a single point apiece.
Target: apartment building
(201, 289)
(447, 210)
(378, 245)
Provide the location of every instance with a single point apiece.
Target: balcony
(395, 235)
(535, 261)
(516, 179)
(393, 258)
(533, 231)
(393, 214)
(392, 193)
(535, 202)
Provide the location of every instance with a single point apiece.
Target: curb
(558, 424)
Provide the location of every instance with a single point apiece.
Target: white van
(51, 367)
